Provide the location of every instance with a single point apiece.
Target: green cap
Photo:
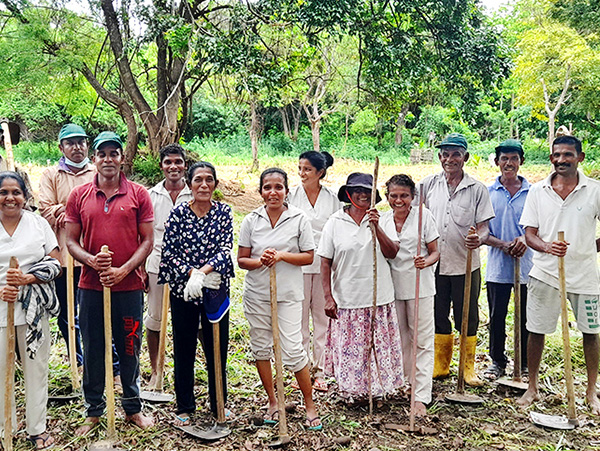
(453, 140)
(106, 137)
(510, 145)
(71, 131)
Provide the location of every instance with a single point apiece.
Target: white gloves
(199, 280)
(212, 281)
(193, 288)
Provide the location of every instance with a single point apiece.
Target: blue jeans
(126, 314)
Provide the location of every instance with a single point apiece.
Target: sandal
(271, 418)
(182, 420)
(493, 372)
(313, 424)
(41, 441)
(320, 385)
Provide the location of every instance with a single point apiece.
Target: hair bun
(328, 159)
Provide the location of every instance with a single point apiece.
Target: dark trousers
(63, 320)
(186, 317)
(126, 310)
(498, 295)
(449, 292)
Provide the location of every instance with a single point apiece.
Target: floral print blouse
(192, 242)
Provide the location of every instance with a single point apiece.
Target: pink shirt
(113, 222)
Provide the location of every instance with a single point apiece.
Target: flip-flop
(311, 426)
(320, 385)
(183, 421)
(44, 437)
(271, 418)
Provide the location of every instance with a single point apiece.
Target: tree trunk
(285, 121)
(315, 130)
(551, 128)
(296, 116)
(400, 123)
(254, 132)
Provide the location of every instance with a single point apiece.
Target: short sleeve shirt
(577, 216)
(454, 214)
(327, 204)
(113, 222)
(404, 273)
(350, 247)
(162, 204)
(32, 240)
(292, 233)
(505, 226)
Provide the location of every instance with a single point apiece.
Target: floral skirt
(347, 352)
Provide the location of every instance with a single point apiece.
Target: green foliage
(146, 169)
(42, 153)
(365, 121)
(212, 119)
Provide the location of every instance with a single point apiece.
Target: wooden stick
(465, 323)
(374, 307)
(162, 340)
(10, 367)
(10, 159)
(108, 362)
(517, 329)
(413, 369)
(71, 319)
(562, 283)
(219, 374)
(283, 430)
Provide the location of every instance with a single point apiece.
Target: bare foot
(593, 402)
(141, 421)
(89, 424)
(530, 396)
(152, 382)
(420, 409)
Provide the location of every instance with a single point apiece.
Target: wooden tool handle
(108, 362)
(562, 283)
(374, 305)
(10, 365)
(162, 339)
(517, 321)
(464, 327)
(283, 431)
(71, 320)
(218, 373)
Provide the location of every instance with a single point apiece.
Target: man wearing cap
(462, 208)
(566, 201)
(118, 213)
(57, 182)
(165, 195)
(507, 243)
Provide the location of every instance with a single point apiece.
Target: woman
(402, 223)
(346, 250)
(196, 263)
(318, 203)
(280, 235)
(30, 238)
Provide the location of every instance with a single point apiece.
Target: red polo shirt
(113, 222)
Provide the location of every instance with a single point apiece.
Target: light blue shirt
(505, 226)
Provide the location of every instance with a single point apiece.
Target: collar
(291, 212)
(159, 188)
(525, 185)
(62, 166)
(582, 180)
(123, 184)
(466, 181)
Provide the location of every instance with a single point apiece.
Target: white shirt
(292, 233)
(577, 216)
(162, 204)
(32, 240)
(404, 273)
(468, 206)
(350, 247)
(327, 203)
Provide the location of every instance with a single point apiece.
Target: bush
(42, 153)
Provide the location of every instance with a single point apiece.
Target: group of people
(321, 245)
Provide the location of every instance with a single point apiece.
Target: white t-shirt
(292, 233)
(577, 216)
(32, 240)
(350, 247)
(162, 204)
(404, 273)
(327, 204)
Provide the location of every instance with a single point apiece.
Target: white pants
(314, 305)
(36, 379)
(426, 332)
(289, 315)
(154, 301)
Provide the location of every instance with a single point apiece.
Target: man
(73, 169)
(566, 201)
(462, 208)
(165, 195)
(507, 242)
(115, 212)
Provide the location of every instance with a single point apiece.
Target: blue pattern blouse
(192, 242)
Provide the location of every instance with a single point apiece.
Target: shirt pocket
(462, 216)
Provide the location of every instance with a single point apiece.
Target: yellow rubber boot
(471, 377)
(443, 355)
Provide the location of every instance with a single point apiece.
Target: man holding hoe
(115, 212)
(566, 201)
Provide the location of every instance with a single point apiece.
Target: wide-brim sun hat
(454, 140)
(107, 137)
(357, 180)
